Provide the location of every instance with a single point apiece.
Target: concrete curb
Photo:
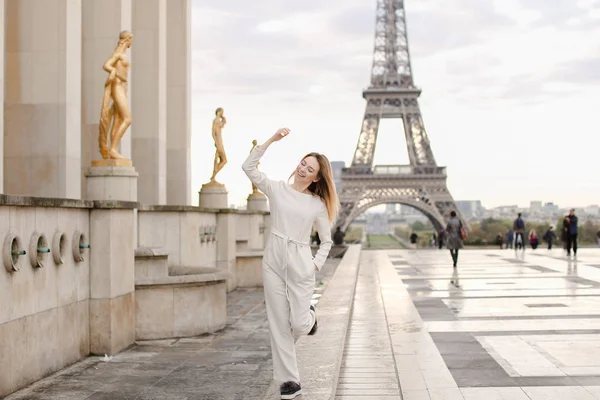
(320, 356)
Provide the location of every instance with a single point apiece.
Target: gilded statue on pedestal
(118, 112)
(220, 157)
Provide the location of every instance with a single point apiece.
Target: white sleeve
(324, 231)
(261, 180)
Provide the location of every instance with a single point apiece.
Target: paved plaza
(504, 325)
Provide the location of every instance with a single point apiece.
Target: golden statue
(115, 88)
(220, 157)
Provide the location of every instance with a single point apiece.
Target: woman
(288, 266)
(453, 240)
(533, 239)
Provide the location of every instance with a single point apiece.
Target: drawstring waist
(287, 240)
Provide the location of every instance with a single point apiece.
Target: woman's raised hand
(280, 134)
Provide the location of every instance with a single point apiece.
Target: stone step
(151, 262)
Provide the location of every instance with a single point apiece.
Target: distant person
(549, 237)
(315, 238)
(441, 238)
(500, 240)
(413, 239)
(533, 239)
(510, 238)
(519, 228)
(570, 227)
(433, 240)
(563, 232)
(453, 240)
(338, 237)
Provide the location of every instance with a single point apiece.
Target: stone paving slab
(232, 364)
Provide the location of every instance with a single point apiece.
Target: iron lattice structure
(392, 94)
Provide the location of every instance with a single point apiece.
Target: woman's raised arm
(260, 179)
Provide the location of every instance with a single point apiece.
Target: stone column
(103, 20)
(42, 126)
(2, 97)
(179, 85)
(149, 99)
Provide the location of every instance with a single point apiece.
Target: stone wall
(44, 307)
(188, 234)
(198, 237)
(250, 231)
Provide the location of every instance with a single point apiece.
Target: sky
(510, 91)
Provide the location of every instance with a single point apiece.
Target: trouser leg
(574, 241)
(300, 291)
(285, 367)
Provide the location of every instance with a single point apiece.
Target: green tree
(418, 226)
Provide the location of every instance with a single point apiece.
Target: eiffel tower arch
(392, 94)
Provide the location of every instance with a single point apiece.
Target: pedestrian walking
(519, 228)
(510, 238)
(413, 239)
(288, 268)
(454, 240)
(533, 239)
(550, 237)
(441, 238)
(571, 228)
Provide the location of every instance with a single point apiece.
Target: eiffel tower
(392, 94)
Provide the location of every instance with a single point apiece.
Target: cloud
(583, 71)
(502, 68)
(456, 24)
(562, 14)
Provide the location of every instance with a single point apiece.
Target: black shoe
(290, 390)
(315, 327)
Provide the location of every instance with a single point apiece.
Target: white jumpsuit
(288, 267)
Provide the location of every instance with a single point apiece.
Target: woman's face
(307, 171)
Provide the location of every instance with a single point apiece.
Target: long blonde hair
(325, 186)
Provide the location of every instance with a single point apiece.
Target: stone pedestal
(112, 258)
(112, 279)
(107, 180)
(257, 202)
(213, 195)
